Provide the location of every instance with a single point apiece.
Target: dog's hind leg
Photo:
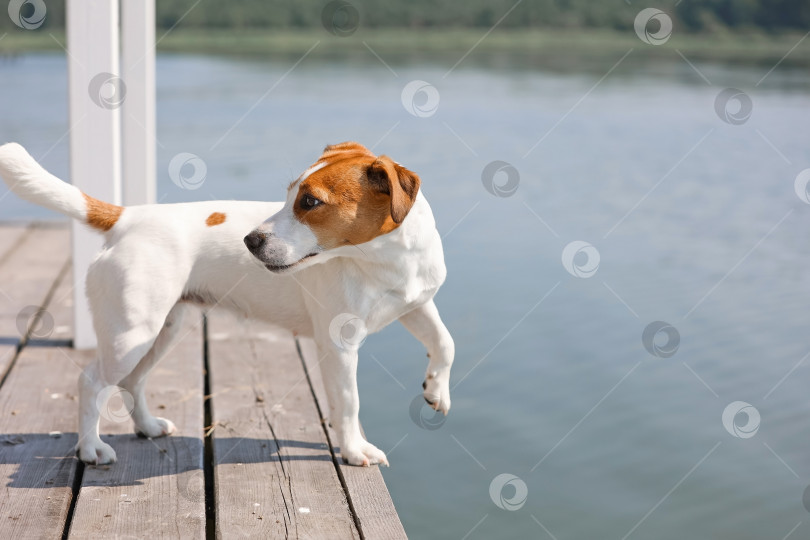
(123, 343)
(98, 382)
(145, 423)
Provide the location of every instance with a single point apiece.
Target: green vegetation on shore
(537, 47)
(688, 17)
(534, 32)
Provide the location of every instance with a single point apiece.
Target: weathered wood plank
(370, 499)
(157, 487)
(26, 277)
(11, 237)
(37, 437)
(274, 475)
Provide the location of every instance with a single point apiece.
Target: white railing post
(95, 136)
(138, 118)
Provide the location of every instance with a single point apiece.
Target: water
(695, 221)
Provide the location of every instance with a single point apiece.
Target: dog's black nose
(255, 240)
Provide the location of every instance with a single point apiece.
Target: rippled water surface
(695, 222)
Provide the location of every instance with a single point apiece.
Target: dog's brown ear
(398, 182)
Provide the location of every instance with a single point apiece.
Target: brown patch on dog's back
(217, 218)
(101, 215)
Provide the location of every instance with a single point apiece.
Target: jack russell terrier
(355, 240)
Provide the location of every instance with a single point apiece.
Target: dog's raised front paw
(363, 454)
(437, 392)
(96, 453)
(155, 427)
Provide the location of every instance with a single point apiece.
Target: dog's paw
(155, 427)
(363, 454)
(96, 453)
(437, 392)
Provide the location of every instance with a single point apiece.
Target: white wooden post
(99, 91)
(95, 136)
(138, 120)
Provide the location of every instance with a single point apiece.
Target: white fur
(314, 168)
(158, 255)
(30, 181)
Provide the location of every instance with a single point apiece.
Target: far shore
(550, 48)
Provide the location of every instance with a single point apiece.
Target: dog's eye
(308, 202)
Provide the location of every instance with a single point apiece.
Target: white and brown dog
(355, 239)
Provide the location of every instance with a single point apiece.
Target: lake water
(695, 222)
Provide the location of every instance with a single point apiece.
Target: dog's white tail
(26, 178)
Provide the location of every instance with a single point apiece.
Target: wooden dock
(252, 456)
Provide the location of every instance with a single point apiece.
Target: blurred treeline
(689, 15)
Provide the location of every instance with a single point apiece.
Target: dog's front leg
(426, 326)
(339, 369)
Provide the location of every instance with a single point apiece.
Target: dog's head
(348, 197)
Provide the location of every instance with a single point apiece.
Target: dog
(355, 243)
